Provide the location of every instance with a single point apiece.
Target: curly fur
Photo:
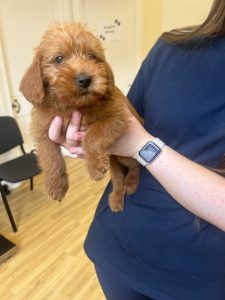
(66, 52)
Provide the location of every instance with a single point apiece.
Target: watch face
(150, 152)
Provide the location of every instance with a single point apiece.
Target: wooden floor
(50, 263)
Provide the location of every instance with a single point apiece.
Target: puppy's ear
(110, 74)
(32, 86)
(111, 85)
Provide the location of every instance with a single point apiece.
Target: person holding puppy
(155, 248)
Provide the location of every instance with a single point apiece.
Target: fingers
(79, 151)
(79, 135)
(73, 128)
(55, 130)
(70, 137)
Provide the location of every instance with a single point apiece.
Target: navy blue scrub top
(155, 245)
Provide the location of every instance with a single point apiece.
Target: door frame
(5, 99)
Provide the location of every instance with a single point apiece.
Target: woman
(154, 249)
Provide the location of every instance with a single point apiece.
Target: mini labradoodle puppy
(69, 72)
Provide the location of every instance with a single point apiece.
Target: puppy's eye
(92, 55)
(59, 59)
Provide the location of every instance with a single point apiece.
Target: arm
(196, 188)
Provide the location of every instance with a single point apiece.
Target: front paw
(131, 184)
(132, 180)
(97, 174)
(97, 168)
(116, 201)
(57, 187)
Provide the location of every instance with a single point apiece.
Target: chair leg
(31, 183)
(4, 199)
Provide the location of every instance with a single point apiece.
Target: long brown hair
(213, 26)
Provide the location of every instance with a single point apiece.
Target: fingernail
(57, 120)
(76, 114)
(78, 135)
(73, 150)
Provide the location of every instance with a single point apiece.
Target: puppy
(69, 72)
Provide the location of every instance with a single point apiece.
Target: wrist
(141, 141)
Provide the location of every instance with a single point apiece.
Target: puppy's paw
(97, 174)
(132, 180)
(131, 185)
(97, 169)
(116, 201)
(56, 188)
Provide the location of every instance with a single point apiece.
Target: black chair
(18, 169)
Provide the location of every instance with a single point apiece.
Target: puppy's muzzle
(83, 80)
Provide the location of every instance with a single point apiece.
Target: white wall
(181, 13)
(163, 15)
(120, 46)
(22, 22)
(151, 26)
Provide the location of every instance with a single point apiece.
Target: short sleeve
(137, 92)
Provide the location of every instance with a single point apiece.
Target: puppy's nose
(83, 80)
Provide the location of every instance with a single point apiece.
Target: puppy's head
(69, 66)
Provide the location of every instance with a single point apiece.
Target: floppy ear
(110, 74)
(32, 86)
(111, 85)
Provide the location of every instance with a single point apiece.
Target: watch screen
(150, 152)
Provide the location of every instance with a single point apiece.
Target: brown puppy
(69, 72)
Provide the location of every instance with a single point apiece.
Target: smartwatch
(150, 152)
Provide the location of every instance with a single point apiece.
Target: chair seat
(20, 168)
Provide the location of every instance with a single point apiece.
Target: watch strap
(158, 142)
(140, 160)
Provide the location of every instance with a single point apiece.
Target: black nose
(83, 80)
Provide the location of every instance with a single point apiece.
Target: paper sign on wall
(110, 30)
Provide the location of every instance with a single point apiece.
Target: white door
(22, 24)
(116, 24)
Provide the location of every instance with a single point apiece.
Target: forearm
(198, 189)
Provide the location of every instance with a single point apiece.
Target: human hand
(69, 137)
(131, 140)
